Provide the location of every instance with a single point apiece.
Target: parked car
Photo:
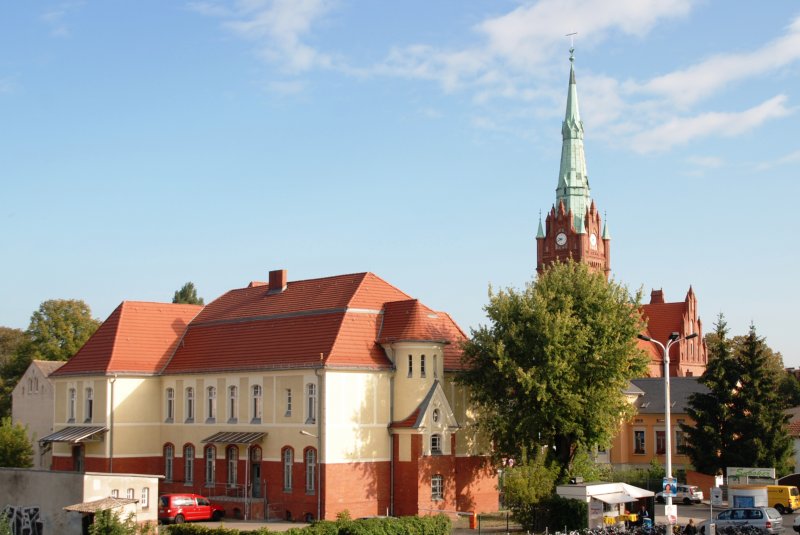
(180, 508)
(683, 493)
(796, 525)
(767, 519)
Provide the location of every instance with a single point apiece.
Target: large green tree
(740, 421)
(187, 295)
(550, 368)
(15, 448)
(10, 342)
(56, 331)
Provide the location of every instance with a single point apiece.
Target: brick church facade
(573, 229)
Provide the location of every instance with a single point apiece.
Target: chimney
(656, 296)
(277, 281)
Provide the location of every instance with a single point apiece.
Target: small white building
(39, 497)
(607, 502)
(33, 405)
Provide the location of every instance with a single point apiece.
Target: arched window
(232, 458)
(169, 459)
(288, 462)
(435, 367)
(71, 395)
(188, 463)
(437, 487)
(170, 404)
(88, 411)
(410, 365)
(190, 404)
(211, 465)
(311, 403)
(256, 404)
(211, 394)
(233, 396)
(311, 470)
(129, 494)
(436, 444)
(145, 502)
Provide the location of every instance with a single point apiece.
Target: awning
(102, 504)
(233, 437)
(76, 434)
(615, 497)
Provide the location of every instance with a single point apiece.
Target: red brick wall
(406, 488)
(360, 488)
(476, 485)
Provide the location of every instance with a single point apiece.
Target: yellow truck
(784, 498)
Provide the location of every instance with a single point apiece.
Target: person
(690, 528)
(667, 490)
(642, 514)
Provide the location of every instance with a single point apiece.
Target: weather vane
(571, 45)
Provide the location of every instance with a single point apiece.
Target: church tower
(573, 227)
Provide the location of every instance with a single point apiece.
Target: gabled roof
(48, 366)
(138, 337)
(410, 320)
(331, 321)
(652, 401)
(418, 416)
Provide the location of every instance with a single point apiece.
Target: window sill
(211, 420)
(287, 490)
(255, 421)
(189, 421)
(639, 453)
(168, 421)
(233, 420)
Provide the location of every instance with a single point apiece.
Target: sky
(146, 144)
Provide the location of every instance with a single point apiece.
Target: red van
(180, 508)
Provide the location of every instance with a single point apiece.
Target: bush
(409, 525)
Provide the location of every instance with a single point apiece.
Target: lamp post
(673, 338)
(316, 470)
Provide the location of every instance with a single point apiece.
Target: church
(574, 229)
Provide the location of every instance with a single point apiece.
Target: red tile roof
(335, 321)
(138, 337)
(408, 422)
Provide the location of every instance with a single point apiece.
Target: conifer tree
(187, 295)
(712, 435)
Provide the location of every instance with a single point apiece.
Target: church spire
(573, 180)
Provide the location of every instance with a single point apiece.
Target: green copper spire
(606, 234)
(573, 180)
(540, 232)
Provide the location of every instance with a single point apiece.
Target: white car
(796, 525)
(766, 519)
(683, 493)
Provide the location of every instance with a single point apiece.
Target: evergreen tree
(551, 368)
(712, 435)
(759, 419)
(187, 295)
(741, 420)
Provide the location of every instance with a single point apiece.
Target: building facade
(296, 400)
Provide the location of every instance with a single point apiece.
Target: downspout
(320, 412)
(389, 430)
(111, 428)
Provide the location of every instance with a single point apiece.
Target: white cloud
(54, 18)
(791, 158)
(710, 162)
(681, 130)
(287, 87)
(278, 27)
(685, 87)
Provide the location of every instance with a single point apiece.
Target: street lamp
(316, 470)
(673, 338)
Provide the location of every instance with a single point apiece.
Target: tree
(59, 328)
(187, 295)
(550, 369)
(10, 341)
(16, 450)
(740, 421)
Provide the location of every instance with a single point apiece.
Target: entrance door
(77, 458)
(255, 471)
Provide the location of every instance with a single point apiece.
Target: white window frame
(130, 493)
(437, 487)
(232, 463)
(210, 456)
(288, 464)
(145, 501)
(170, 407)
(256, 397)
(211, 406)
(188, 463)
(72, 394)
(311, 403)
(437, 442)
(189, 392)
(644, 441)
(169, 462)
(311, 470)
(115, 493)
(233, 404)
(88, 404)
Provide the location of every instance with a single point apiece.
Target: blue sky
(145, 144)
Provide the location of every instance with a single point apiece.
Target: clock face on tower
(561, 238)
(593, 240)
